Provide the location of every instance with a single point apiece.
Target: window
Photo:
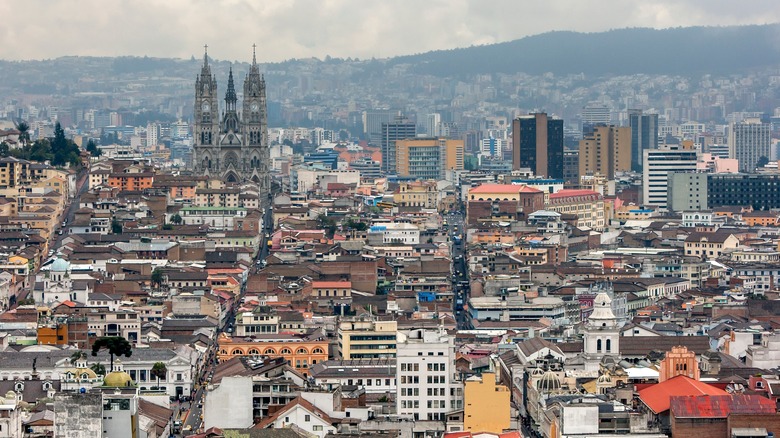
(316, 428)
(307, 418)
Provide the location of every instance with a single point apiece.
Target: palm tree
(24, 131)
(77, 356)
(116, 346)
(98, 368)
(159, 370)
(157, 277)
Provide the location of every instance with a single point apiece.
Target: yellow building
(417, 194)
(367, 339)
(428, 158)
(586, 204)
(486, 405)
(605, 151)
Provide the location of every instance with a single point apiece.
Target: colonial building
(235, 147)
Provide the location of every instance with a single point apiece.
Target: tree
(77, 356)
(762, 161)
(27, 302)
(24, 132)
(93, 148)
(159, 370)
(157, 277)
(64, 151)
(176, 219)
(98, 368)
(116, 346)
(4, 149)
(116, 227)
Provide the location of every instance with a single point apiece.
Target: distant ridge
(683, 51)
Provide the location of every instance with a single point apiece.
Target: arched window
(254, 351)
(286, 351)
(223, 351)
(318, 350)
(598, 345)
(269, 351)
(301, 351)
(609, 345)
(236, 351)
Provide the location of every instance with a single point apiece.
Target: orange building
(761, 219)
(53, 334)
(299, 352)
(679, 362)
(131, 181)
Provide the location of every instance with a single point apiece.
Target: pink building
(716, 164)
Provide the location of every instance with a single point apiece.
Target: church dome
(60, 265)
(549, 382)
(118, 379)
(82, 373)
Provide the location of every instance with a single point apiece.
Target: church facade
(232, 145)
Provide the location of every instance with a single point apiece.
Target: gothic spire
(231, 96)
(254, 54)
(205, 55)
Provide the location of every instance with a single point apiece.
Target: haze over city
(339, 28)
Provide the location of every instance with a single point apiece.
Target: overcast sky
(283, 29)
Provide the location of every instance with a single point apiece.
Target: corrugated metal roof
(658, 397)
(720, 406)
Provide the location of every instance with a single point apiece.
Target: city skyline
(295, 29)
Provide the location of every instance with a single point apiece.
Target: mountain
(683, 51)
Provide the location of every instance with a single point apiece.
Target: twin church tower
(232, 146)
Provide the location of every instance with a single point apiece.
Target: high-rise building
(594, 114)
(644, 136)
(571, 166)
(605, 151)
(401, 128)
(235, 148)
(372, 123)
(659, 163)
(537, 143)
(425, 375)
(433, 125)
(750, 141)
(428, 158)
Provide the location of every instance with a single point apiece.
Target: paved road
(460, 273)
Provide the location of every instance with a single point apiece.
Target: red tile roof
(503, 188)
(658, 397)
(720, 406)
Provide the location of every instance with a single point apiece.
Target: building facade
(658, 164)
(234, 147)
(537, 144)
(750, 141)
(644, 136)
(605, 151)
(399, 129)
(427, 158)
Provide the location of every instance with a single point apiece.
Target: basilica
(232, 145)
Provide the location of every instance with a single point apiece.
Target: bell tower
(602, 333)
(206, 127)
(255, 125)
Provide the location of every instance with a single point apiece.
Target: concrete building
(425, 375)
(502, 202)
(537, 144)
(605, 151)
(658, 164)
(10, 416)
(586, 204)
(486, 405)
(399, 129)
(229, 404)
(427, 158)
(367, 339)
(749, 142)
(765, 356)
(644, 136)
(687, 192)
(602, 334)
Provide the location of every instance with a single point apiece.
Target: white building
(427, 388)
(749, 141)
(765, 356)
(398, 233)
(229, 404)
(657, 165)
(602, 334)
(10, 416)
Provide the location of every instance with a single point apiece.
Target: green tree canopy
(159, 370)
(116, 346)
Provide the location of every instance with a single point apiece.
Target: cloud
(286, 29)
